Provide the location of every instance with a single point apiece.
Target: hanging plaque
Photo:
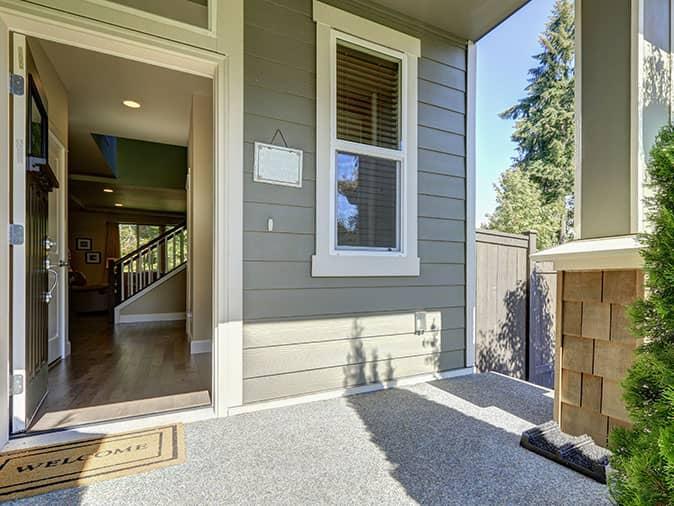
(278, 165)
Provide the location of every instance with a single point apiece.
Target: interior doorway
(110, 263)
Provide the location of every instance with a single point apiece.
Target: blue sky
(503, 62)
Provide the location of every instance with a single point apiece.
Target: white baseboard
(344, 392)
(154, 317)
(201, 346)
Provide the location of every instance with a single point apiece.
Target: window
(367, 202)
(366, 198)
(192, 12)
(132, 236)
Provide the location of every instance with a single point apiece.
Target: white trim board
(622, 252)
(671, 61)
(345, 392)
(200, 346)
(140, 13)
(471, 172)
(637, 153)
(151, 317)
(364, 28)
(578, 107)
(16, 129)
(5, 287)
(119, 317)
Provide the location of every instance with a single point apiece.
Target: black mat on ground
(579, 453)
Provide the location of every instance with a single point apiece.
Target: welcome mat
(39, 470)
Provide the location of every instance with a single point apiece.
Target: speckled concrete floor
(446, 442)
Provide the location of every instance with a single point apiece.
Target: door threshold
(27, 440)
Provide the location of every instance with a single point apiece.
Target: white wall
(200, 219)
(167, 296)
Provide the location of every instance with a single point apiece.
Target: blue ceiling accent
(108, 146)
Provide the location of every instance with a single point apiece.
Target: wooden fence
(514, 308)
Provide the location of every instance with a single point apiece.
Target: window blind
(368, 97)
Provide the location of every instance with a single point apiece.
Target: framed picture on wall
(82, 244)
(92, 257)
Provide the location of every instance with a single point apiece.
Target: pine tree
(544, 134)
(643, 456)
(520, 201)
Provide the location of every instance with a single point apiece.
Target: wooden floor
(124, 370)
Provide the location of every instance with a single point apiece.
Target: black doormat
(579, 453)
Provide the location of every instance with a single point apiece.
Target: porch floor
(445, 442)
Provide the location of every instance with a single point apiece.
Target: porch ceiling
(467, 19)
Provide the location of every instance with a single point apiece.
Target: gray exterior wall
(304, 334)
(605, 179)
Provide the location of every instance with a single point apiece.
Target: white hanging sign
(278, 165)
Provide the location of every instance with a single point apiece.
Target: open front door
(32, 180)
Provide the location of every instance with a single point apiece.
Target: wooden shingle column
(594, 349)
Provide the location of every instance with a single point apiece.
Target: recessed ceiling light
(108, 190)
(117, 204)
(132, 104)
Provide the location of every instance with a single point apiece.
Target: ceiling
(467, 19)
(87, 193)
(98, 83)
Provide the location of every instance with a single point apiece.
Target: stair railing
(148, 264)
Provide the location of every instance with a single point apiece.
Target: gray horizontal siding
(270, 361)
(297, 275)
(315, 380)
(442, 96)
(262, 129)
(339, 301)
(287, 331)
(305, 334)
(286, 247)
(442, 74)
(441, 163)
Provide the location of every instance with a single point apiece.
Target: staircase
(145, 266)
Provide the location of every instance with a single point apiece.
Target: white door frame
(226, 70)
(4, 240)
(61, 245)
(20, 418)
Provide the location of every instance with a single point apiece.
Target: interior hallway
(124, 370)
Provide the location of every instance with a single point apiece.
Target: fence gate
(515, 308)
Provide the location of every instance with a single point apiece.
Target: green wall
(141, 163)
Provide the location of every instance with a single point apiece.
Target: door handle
(49, 294)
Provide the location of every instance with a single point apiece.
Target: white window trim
(333, 24)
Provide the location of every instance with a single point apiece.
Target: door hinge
(16, 84)
(16, 235)
(16, 384)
